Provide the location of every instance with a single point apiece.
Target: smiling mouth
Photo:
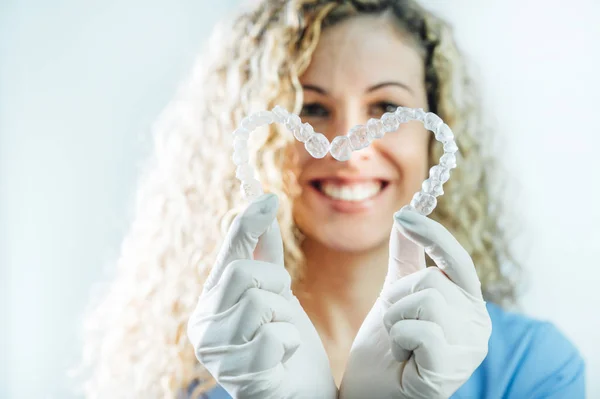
(349, 191)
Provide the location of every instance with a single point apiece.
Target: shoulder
(526, 337)
(528, 358)
(192, 392)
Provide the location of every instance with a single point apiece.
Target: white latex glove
(429, 329)
(248, 329)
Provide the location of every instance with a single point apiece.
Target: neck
(339, 288)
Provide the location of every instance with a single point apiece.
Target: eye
(378, 109)
(316, 110)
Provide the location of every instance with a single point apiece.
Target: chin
(343, 232)
(352, 243)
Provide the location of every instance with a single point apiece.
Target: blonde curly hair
(135, 336)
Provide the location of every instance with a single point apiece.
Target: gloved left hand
(429, 329)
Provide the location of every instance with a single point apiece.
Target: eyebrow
(390, 83)
(378, 86)
(315, 88)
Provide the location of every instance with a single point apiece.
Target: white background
(81, 84)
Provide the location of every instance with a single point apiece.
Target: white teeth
(351, 192)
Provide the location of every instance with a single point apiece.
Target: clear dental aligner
(341, 147)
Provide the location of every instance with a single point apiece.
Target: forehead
(362, 51)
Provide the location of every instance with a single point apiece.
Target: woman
(337, 64)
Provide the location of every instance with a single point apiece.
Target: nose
(346, 121)
(363, 154)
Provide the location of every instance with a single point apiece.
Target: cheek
(296, 158)
(408, 149)
(301, 156)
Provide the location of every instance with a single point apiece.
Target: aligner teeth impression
(341, 148)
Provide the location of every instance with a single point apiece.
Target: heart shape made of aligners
(341, 148)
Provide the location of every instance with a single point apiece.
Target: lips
(349, 194)
(359, 191)
(355, 191)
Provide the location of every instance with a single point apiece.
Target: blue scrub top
(526, 359)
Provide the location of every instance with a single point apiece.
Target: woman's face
(361, 68)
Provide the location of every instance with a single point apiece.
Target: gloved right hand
(248, 329)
